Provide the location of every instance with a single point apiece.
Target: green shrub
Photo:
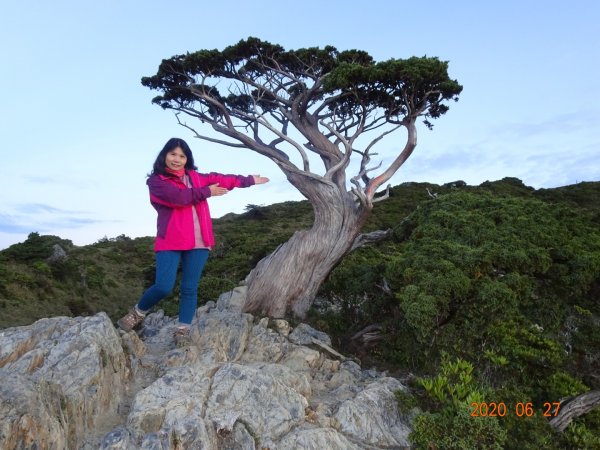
(35, 248)
(457, 431)
(449, 423)
(498, 278)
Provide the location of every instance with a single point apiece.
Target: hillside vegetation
(484, 294)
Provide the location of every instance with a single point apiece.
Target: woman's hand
(216, 190)
(260, 180)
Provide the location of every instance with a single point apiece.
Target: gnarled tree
(323, 106)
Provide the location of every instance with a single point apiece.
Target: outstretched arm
(229, 182)
(217, 189)
(226, 181)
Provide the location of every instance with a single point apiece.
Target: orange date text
(520, 409)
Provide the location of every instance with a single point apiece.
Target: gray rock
(373, 417)
(295, 380)
(303, 334)
(31, 414)
(177, 395)
(316, 439)
(225, 333)
(154, 323)
(282, 326)
(239, 439)
(118, 439)
(59, 378)
(59, 255)
(265, 344)
(266, 406)
(233, 300)
(302, 359)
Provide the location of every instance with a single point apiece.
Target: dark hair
(159, 166)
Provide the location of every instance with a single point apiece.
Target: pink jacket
(174, 201)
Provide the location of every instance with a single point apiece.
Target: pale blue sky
(79, 132)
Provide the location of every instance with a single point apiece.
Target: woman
(184, 235)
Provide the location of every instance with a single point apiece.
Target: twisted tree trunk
(288, 279)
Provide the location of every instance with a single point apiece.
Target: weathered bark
(288, 279)
(571, 409)
(369, 238)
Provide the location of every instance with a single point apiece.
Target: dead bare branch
(385, 287)
(369, 238)
(206, 138)
(385, 196)
(431, 194)
(364, 171)
(573, 408)
(367, 329)
(411, 143)
(380, 137)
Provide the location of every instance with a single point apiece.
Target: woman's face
(175, 159)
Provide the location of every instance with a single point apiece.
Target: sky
(79, 132)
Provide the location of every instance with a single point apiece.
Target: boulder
(304, 334)
(59, 379)
(372, 415)
(58, 256)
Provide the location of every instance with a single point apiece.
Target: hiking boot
(131, 320)
(182, 336)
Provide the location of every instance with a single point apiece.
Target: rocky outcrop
(243, 383)
(60, 379)
(59, 255)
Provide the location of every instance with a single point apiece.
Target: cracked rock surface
(243, 383)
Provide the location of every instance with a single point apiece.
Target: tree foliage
(254, 92)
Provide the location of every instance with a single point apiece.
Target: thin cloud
(44, 218)
(55, 181)
(33, 208)
(569, 168)
(41, 180)
(8, 224)
(468, 155)
(562, 124)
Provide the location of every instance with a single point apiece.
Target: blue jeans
(167, 262)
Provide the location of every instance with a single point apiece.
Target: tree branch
(431, 194)
(385, 196)
(299, 116)
(363, 172)
(206, 138)
(360, 195)
(215, 103)
(411, 143)
(571, 409)
(380, 137)
(281, 135)
(343, 161)
(276, 155)
(369, 334)
(369, 238)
